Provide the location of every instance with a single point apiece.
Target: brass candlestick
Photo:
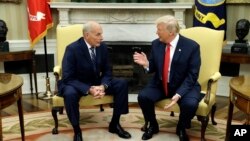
(48, 94)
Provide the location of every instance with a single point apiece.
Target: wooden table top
(241, 84)
(9, 82)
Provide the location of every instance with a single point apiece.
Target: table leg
(247, 120)
(31, 84)
(20, 112)
(34, 73)
(229, 120)
(35, 78)
(1, 136)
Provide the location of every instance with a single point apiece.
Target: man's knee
(69, 92)
(142, 96)
(190, 104)
(123, 82)
(120, 83)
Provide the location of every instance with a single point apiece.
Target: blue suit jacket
(77, 67)
(185, 66)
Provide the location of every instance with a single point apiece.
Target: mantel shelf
(75, 5)
(121, 21)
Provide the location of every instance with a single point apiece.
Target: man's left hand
(174, 99)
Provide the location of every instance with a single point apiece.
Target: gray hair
(171, 23)
(88, 26)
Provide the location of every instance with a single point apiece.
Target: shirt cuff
(105, 86)
(178, 95)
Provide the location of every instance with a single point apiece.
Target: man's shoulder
(76, 43)
(187, 40)
(156, 42)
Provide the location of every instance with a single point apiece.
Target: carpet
(94, 125)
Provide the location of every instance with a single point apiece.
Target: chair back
(66, 35)
(211, 43)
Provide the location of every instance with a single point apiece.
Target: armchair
(211, 42)
(65, 36)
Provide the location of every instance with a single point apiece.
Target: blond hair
(171, 23)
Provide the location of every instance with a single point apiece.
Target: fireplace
(123, 66)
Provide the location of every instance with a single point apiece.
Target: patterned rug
(94, 125)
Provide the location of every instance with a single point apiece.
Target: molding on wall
(17, 45)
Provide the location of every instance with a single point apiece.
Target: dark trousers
(150, 95)
(118, 88)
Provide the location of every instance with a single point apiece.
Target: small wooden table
(10, 92)
(239, 97)
(28, 55)
(239, 58)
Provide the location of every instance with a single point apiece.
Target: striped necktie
(93, 57)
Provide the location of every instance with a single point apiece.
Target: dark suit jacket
(78, 68)
(185, 66)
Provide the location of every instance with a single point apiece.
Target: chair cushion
(84, 101)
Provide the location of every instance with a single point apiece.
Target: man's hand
(174, 99)
(141, 59)
(97, 91)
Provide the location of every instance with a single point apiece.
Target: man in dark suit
(177, 81)
(86, 70)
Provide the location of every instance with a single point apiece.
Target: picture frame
(11, 1)
(238, 1)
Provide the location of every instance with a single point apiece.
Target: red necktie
(165, 69)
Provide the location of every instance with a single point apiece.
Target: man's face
(94, 37)
(163, 33)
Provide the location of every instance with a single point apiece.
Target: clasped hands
(97, 91)
(141, 59)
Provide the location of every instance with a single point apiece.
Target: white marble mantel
(121, 21)
(118, 12)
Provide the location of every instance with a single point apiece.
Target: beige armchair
(211, 42)
(65, 36)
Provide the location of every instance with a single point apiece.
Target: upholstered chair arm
(57, 72)
(216, 76)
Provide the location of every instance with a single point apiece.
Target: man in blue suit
(182, 74)
(86, 70)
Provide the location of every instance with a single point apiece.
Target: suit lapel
(97, 51)
(176, 57)
(160, 57)
(85, 51)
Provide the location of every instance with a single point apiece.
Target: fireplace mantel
(121, 21)
(72, 12)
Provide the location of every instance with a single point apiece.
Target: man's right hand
(141, 59)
